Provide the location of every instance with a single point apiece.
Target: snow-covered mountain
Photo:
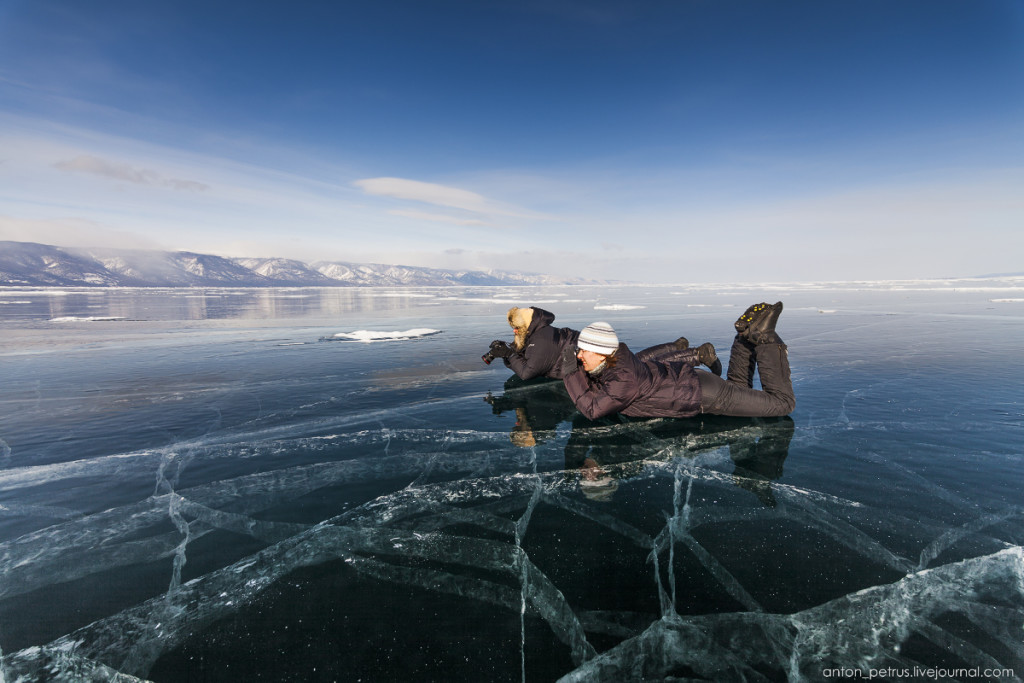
(41, 265)
(382, 274)
(27, 263)
(286, 270)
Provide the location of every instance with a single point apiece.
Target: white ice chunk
(393, 335)
(91, 318)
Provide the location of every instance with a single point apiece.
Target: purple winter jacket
(637, 388)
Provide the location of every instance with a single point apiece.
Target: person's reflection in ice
(605, 451)
(759, 460)
(613, 448)
(540, 405)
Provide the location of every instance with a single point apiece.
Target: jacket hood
(540, 318)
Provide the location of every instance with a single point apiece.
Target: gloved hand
(568, 361)
(500, 349)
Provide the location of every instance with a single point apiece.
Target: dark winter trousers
(735, 394)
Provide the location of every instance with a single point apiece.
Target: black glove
(500, 349)
(568, 361)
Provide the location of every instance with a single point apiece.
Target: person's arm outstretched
(593, 399)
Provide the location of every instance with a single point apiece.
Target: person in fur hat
(537, 346)
(604, 377)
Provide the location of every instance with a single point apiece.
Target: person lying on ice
(537, 348)
(604, 377)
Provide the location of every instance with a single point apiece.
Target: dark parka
(542, 347)
(637, 388)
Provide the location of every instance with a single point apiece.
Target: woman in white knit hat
(604, 377)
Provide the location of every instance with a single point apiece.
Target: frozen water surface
(207, 485)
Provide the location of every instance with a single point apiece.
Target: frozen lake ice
(329, 484)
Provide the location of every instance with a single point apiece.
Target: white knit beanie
(598, 337)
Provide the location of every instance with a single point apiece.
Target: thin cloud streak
(429, 193)
(438, 218)
(127, 173)
(442, 195)
(73, 232)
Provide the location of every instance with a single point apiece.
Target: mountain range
(27, 264)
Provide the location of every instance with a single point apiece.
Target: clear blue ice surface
(239, 484)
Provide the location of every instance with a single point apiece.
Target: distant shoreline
(28, 264)
(1013, 282)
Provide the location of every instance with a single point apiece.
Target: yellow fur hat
(519, 319)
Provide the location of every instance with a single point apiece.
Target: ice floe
(90, 318)
(377, 336)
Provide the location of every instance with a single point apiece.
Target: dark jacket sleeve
(592, 399)
(615, 391)
(528, 366)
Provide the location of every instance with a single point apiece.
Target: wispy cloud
(446, 196)
(437, 217)
(428, 193)
(72, 232)
(127, 173)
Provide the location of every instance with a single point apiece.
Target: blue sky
(682, 141)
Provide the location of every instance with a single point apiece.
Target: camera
(499, 349)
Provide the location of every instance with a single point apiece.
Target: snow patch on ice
(374, 336)
(32, 292)
(616, 307)
(75, 318)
